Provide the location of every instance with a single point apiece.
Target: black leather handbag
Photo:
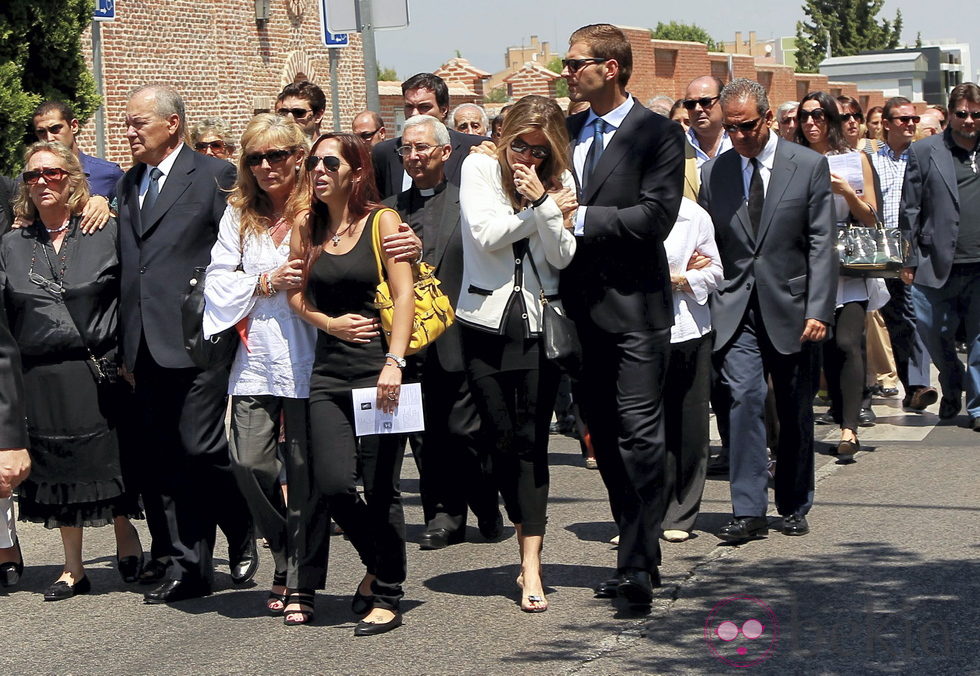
(559, 337)
(215, 352)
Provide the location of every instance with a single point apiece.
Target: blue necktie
(152, 192)
(595, 151)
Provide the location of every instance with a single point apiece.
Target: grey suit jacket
(13, 429)
(792, 263)
(929, 216)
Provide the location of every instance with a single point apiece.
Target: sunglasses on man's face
(574, 65)
(963, 114)
(743, 127)
(50, 175)
(705, 102)
(847, 117)
(818, 115)
(905, 119)
(295, 112)
(368, 135)
(272, 156)
(201, 146)
(330, 163)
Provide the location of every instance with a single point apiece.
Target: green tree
(561, 86)
(851, 26)
(387, 74)
(41, 58)
(498, 95)
(688, 32)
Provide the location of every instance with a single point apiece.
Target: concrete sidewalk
(887, 582)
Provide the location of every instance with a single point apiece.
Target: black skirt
(76, 477)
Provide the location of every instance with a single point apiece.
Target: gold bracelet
(329, 319)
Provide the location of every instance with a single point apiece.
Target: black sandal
(278, 580)
(304, 598)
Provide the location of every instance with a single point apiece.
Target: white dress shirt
(692, 231)
(613, 119)
(279, 358)
(165, 167)
(765, 158)
(700, 157)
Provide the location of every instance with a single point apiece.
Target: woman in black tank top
(334, 239)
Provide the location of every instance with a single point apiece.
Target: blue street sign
(331, 40)
(105, 10)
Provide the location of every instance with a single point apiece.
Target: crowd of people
(693, 246)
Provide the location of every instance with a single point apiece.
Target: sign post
(333, 42)
(105, 10)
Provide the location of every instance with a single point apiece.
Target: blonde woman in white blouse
(695, 272)
(245, 287)
(516, 211)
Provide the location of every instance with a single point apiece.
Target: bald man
(370, 127)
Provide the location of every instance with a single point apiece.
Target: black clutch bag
(215, 352)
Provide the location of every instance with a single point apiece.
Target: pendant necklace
(337, 235)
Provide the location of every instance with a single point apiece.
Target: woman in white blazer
(517, 214)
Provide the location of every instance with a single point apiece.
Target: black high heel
(11, 571)
(278, 580)
(305, 598)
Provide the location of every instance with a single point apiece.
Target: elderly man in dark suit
(629, 164)
(170, 204)
(940, 215)
(424, 94)
(15, 463)
(771, 205)
(451, 474)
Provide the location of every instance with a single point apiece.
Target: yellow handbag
(433, 311)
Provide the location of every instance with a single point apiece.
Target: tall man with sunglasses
(629, 165)
(304, 103)
(170, 204)
(940, 214)
(771, 205)
(898, 121)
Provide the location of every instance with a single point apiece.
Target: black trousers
(374, 525)
(844, 363)
(185, 472)
(620, 397)
(453, 473)
(515, 411)
(686, 425)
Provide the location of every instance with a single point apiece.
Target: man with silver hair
(469, 118)
(661, 105)
(786, 120)
(450, 471)
(170, 203)
(771, 205)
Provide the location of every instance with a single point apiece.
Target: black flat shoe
(61, 590)
(11, 571)
(608, 589)
(744, 528)
(846, 450)
(244, 567)
(795, 524)
(637, 587)
(374, 628)
(361, 604)
(440, 538)
(176, 590)
(129, 567)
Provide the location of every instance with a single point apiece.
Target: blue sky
(483, 30)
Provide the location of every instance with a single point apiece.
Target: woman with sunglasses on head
(60, 291)
(270, 377)
(334, 238)
(821, 128)
(516, 211)
(212, 136)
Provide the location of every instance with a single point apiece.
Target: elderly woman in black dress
(60, 292)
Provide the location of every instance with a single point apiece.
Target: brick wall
(219, 60)
(462, 71)
(531, 79)
(665, 67)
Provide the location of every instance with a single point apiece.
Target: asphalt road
(888, 581)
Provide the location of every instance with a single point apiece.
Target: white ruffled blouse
(279, 357)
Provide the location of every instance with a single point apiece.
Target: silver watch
(399, 361)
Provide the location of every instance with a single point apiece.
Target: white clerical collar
(427, 192)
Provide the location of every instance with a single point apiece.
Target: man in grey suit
(771, 205)
(15, 463)
(940, 215)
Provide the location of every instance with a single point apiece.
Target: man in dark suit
(170, 204)
(940, 216)
(629, 164)
(424, 94)
(771, 205)
(450, 470)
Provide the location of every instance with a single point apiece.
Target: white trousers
(8, 533)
